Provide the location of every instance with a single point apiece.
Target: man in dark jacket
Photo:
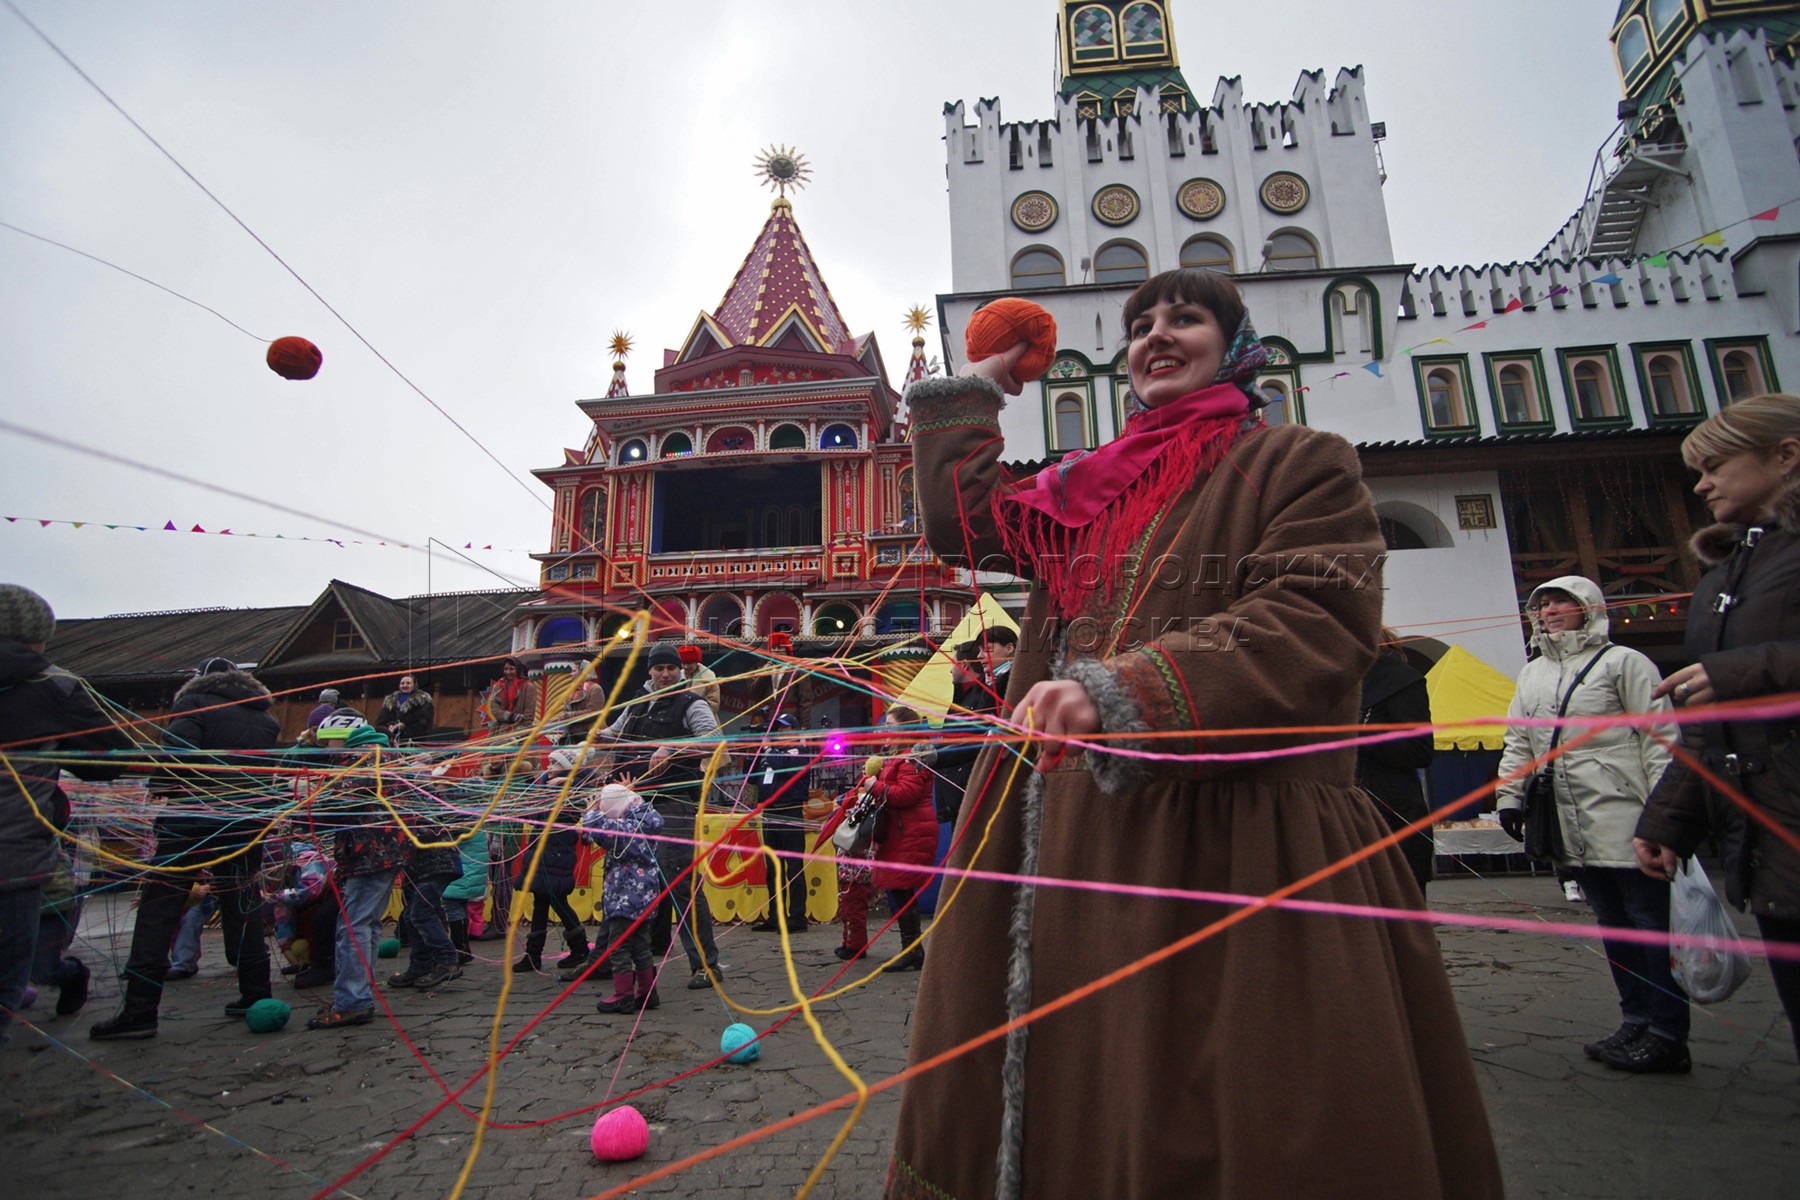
(216, 805)
(670, 777)
(780, 770)
(44, 712)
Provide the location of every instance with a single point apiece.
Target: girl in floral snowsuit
(618, 820)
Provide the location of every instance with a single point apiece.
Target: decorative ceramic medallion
(1116, 204)
(1285, 192)
(1034, 212)
(1201, 199)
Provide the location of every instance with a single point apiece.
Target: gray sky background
(488, 190)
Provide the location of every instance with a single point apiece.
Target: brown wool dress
(1292, 1055)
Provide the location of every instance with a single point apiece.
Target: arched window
(1352, 317)
(787, 437)
(1446, 407)
(1275, 412)
(676, 443)
(837, 437)
(1409, 526)
(1037, 267)
(1668, 386)
(561, 631)
(1519, 402)
(1743, 375)
(1120, 262)
(1633, 48)
(1291, 251)
(771, 527)
(1071, 421)
(633, 453)
(1206, 252)
(796, 526)
(1594, 399)
(1142, 25)
(1091, 35)
(835, 620)
(1664, 15)
(730, 438)
(909, 509)
(590, 525)
(722, 615)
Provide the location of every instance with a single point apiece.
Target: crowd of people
(1233, 1051)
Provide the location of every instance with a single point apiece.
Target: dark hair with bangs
(1209, 289)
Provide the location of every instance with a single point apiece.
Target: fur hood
(1595, 631)
(239, 687)
(1714, 544)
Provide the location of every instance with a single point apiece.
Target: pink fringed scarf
(1074, 523)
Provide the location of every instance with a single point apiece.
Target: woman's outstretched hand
(1056, 709)
(999, 368)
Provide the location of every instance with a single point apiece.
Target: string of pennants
(1714, 237)
(171, 527)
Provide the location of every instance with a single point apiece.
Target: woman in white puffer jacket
(1600, 786)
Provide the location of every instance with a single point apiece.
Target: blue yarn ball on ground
(739, 1042)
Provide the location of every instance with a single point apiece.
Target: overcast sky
(486, 191)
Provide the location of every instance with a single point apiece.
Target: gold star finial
(918, 318)
(781, 168)
(620, 344)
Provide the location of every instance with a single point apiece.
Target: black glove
(1513, 821)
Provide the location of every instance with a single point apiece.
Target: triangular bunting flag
(112, 526)
(1767, 216)
(1715, 238)
(1513, 305)
(43, 524)
(490, 547)
(170, 528)
(1476, 325)
(78, 524)
(1373, 368)
(468, 545)
(1559, 290)
(1609, 279)
(1657, 260)
(12, 520)
(196, 529)
(224, 533)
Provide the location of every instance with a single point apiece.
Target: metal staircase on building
(1614, 211)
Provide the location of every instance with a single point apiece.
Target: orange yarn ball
(294, 358)
(998, 327)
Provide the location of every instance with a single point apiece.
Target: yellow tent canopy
(930, 690)
(1462, 688)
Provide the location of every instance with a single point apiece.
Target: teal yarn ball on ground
(389, 948)
(267, 1016)
(740, 1044)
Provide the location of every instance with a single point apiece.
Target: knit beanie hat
(689, 654)
(366, 735)
(328, 696)
(25, 615)
(664, 655)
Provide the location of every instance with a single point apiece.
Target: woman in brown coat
(1203, 572)
(1743, 637)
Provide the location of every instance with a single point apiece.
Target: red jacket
(907, 835)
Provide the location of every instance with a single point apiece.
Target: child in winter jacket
(618, 820)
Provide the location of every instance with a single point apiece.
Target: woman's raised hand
(1055, 709)
(999, 368)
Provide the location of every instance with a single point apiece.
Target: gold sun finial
(781, 168)
(620, 344)
(917, 318)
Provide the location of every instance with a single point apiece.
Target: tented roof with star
(779, 277)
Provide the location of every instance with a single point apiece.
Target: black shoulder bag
(1543, 828)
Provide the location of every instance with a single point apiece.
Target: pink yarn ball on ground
(620, 1135)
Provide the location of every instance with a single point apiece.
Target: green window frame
(1645, 359)
(1532, 363)
(1717, 350)
(1426, 379)
(1605, 360)
(1056, 391)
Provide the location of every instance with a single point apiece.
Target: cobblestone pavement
(285, 1112)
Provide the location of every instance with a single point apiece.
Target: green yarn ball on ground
(267, 1016)
(389, 948)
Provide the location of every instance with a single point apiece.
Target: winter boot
(459, 937)
(137, 1019)
(578, 949)
(534, 951)
(624, 997)
(646, 988)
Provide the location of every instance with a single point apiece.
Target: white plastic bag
(1713, 967)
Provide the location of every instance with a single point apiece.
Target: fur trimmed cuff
(954, 402)
(1119, 713)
